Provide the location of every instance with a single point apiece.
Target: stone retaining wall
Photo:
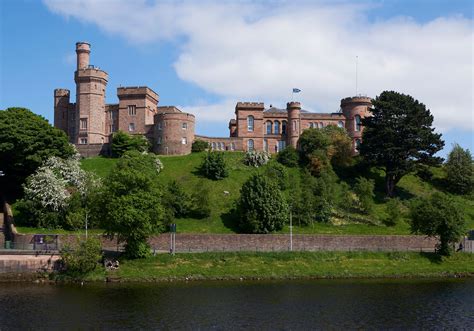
(264, 242)
(19, 264)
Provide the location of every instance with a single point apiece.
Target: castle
(90, 122)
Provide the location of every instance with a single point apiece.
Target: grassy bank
(292, 265)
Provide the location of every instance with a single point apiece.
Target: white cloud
(255, 51)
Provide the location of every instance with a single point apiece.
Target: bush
(364, 188)
(201, 201)
(214, 166)
(81, 259)
(312, 140)
(394, 212)
(278, 173)
(438, 216)
(261, 207)
(459, 171)
(288, 157)
(123, 142)
(199, 146)
(177, 200)
(256, 159)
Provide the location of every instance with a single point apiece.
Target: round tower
(173, 132)
(354, 110)
(293, 128)
(83, 50)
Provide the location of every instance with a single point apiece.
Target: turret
(354, 110)
(294, 123)
(83, 50)
(61, 106)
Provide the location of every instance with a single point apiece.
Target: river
(263, 305)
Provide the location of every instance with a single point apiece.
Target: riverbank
(295, 265)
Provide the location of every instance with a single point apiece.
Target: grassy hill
(184, 170)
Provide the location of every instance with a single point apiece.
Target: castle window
(250, 145)
(184, 140)
(83, 125)
(132, 110)
(158, 140)
(184, 126)
(111, 128)
(213, 145)
(250, 122)
(294, 125)
(111, 116)
(131, 127)
(160, 125)
(321, 125)
(357, 123)
(265, 145)
(283, 127)
(269, 127)
(311, 125)
(83, 141)
(340, 124)
(357, 145)
(281, 145)
(277, 127)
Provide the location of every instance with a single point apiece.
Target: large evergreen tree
(459, 171)
(398, 136)
(26, 141)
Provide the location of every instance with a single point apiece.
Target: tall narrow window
(294, 125)
(184, 126)
(311, 125)
(213, 146)
(132, 110)
(281, 145)
(283, 127)
(184, 140)
(357, 145)
(250, 145)
(232, 146)
(269, 127)
(321, 125)
(250, 123)
(83, 124)
(276, 129)
(131, 127)
(111, 115)
(160, 125)
(265, 145)
(357, 122)
(340, 124)
(158, 140)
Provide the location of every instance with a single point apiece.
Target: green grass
(29, 230)
(185, 170)
(293, 265)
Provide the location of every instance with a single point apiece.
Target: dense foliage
(278, 173)
(256, 159)
(81, 259)
(26, 141)
(131, 204)
(262, 207)
(438, 216)
(460, 171)
(199, 146)
(398, 136)
(288, 157)
(214, 166)
(123, 142)
(364, 189)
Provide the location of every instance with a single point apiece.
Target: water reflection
(318, 304)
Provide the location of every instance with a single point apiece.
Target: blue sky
(205, 56)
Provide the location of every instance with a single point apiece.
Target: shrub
(438, 216)
(123, 142)
(177, 200)
(312, 140)
(214, 166)
(288, 157)
(278, 173)
(199, 146)
(201, 201)
(261, 207)
(394, 212)
(81, 259)
(256, 159)
(364, 188)
(459, 171)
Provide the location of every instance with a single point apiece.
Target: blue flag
(296, 90)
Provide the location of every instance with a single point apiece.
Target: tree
(123, 142)
(278, 173)
(214, 166)
(288, 157)
(177, 199)
(26, 141)
(82, 259)
(459, 171)
(438, 216)
(364, 189)
(131, 203)
(340, 150)
(311, 141)
(398, 136)
(199, 146)
(262, 207)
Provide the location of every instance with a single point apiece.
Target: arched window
(340, 124)
(269, 127)
(265, 145)
(219, 146)
(357, 145)
(276, 129)
(213, 146)
(321, 125)
(283, 127)
(250, 121)
(311, 125)
(357, 122)
(250, 145)
(232, 146)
